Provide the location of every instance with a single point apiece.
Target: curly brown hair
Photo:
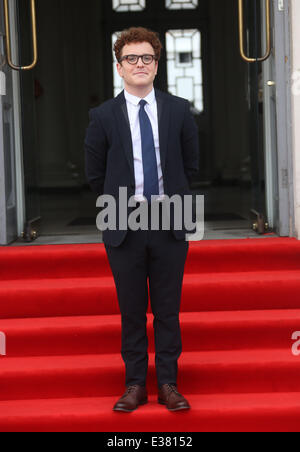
(137, 34)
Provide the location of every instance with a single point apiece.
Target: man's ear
(119, 68)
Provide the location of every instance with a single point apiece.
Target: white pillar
(295, 54)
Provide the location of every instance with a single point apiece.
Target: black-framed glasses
(133, 59)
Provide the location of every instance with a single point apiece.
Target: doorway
(201, 61)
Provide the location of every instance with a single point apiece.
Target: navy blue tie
(151, 183)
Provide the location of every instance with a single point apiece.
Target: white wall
(295, 53)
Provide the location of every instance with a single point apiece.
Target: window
(118, 81)
(182, 4)
(184, 66)
(128, 5)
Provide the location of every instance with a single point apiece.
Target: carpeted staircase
(63, 369)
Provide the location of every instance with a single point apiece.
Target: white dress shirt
(133, 109)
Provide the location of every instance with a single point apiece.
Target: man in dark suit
(147, 141)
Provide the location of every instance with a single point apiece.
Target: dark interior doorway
(75, 72)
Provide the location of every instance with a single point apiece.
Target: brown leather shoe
(134, 396)
(168, 395)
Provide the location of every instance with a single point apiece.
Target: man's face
(139, 74)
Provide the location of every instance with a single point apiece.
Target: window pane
(182, 4)
(184, 66)
(128, 5)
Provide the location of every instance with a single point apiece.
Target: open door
(269, 119)
(17, 131)
(8, 114)
(27, 47)
(257, 50)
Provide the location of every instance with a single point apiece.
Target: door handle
(8, 42)
(268, 33)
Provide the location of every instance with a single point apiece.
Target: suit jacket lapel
(123, 125)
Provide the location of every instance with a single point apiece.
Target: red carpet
(63, 370)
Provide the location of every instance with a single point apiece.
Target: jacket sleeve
(96, 147)
(190, 144)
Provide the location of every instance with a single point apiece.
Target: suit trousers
(149, 262)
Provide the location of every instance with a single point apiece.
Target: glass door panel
(255, 42)
(29, 92)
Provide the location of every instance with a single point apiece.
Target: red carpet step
(98, 296)
(212, 256)
(200, 373)
(63, 370)
(271, 412)
(220, 330)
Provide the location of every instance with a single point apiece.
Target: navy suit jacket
(109, 151)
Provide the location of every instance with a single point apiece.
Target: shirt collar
(150, 99)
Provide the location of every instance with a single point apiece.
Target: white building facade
(295, 130)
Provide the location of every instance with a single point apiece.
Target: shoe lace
(172, 388)
(130, 389)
